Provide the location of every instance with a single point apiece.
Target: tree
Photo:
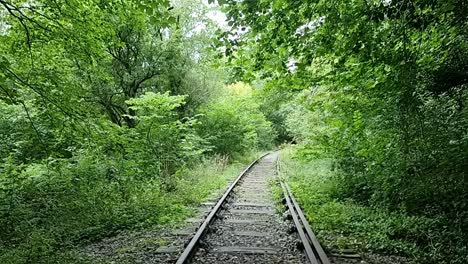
(382, 74)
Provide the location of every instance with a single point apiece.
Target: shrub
(233, 124)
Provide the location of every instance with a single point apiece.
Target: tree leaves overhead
(378, 86)
(100, 119)
(76, 37)
(105, 105)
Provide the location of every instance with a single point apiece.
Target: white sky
(216, 15)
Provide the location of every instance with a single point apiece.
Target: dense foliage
(380, 87)
(228, 131)
(110, 109)
(380, 235)
(105, 120)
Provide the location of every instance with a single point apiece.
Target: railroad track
(243, 226)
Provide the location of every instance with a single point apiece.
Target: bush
(345, 224)
(162, 139)
(233, 124)
(49, 207)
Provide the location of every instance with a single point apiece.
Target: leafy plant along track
(226, 218)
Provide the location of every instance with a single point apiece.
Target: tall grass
(83, 202)
(345, 224)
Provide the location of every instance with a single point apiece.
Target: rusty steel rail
(194, 242)
(313, 250)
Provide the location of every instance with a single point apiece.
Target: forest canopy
(103, 104)
(382, 84)
(106, 106)
(378, 87)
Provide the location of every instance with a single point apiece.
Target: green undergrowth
(345, 224)
(71, 214)
(197, 183)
